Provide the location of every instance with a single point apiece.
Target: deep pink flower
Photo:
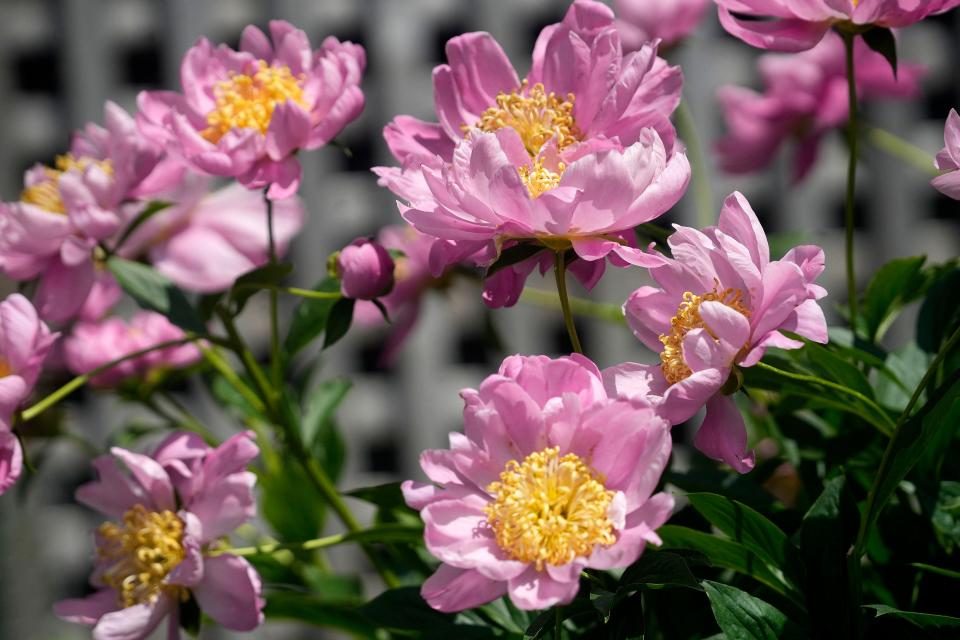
(948, 159)
(52, 231)
(796, 25)
(206, 240)
(170, 512)
(25, 342)
(365, 269)
(544, 159)
(720, 304)
(93, 344)
(805, 96)
(244, 114)
(640, 21)
(551, 476)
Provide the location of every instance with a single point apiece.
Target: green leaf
(319, 431)
(946, 516)
(946, 625)
(747, 527)
(310, 318)
(404, 608)
(247, 285)
(503, 613)
(937, 570)
(907, 364)
(744, 617)
(940, 309)
(313, 609)
(659, 568)
(881, 40)
(828, 530)
(341, 316)
(155, 292)
(833, 367)
(909, 444)
(290, 505)
(388, 498)
(153, 207)
(893, 285)
(728, 555)
(513, 255)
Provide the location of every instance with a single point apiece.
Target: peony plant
(762, 462)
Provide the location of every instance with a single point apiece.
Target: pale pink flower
(93, 344)
(170, 513)
(244, 114)
(948, 160)
(541, 159)
(206, 240)
(721, 303)
(670, 21)
(552, 476)
(365, 269)
(796, 25)
(805, 96)
(52, 231)
(25, 342)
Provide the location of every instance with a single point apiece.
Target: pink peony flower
(544, 160)
(365, 269)
(720, 304)
(792, 25)
(948, 159)
(244, 114)
(206, 240)
(552, 476)
(804, 97)
(170, 513)
(669, 21)
(25, 342)
(52, 232)
(94, 344)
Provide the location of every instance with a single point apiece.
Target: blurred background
(60, 59)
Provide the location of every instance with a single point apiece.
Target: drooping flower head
(52, 231)
(206, 240)
(804, 97)
(573, 156)
(948, 160)
(791, 25)
(93, 344)
(720, 304)
(670, 21)
(169, 513)
(244, 114)
(551, 475)
(25, 342)
(365, 269)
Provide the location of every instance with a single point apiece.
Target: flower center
(247, 101)
(688, 317)
(46, 194)
(550, 509)
(139, 553)
(540, 179)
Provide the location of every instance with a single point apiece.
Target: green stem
(276, 365)
(33, 411)
(560, 270)
(902, 149)
(558, 622)
(239, 347)
(861, 545)
(702, 192)
(293, 291)
(579, 306)
(267, 549)
(848, 41)
(837, 387)
(213, 357)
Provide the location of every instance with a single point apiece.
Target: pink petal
(151, 476)
(87, 610)
(537, 590)
(683, 399)
(133, 623)
(11, 459)
(230, 593)
(787, 35)
(723, 435)
(451, 589)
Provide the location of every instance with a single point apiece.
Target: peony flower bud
(365, 269)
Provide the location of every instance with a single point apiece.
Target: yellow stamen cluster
(540, 179)
(550, 509)
(46, 194)
(140, 552)
(537, 116)
(688, 317)
(247, 101)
